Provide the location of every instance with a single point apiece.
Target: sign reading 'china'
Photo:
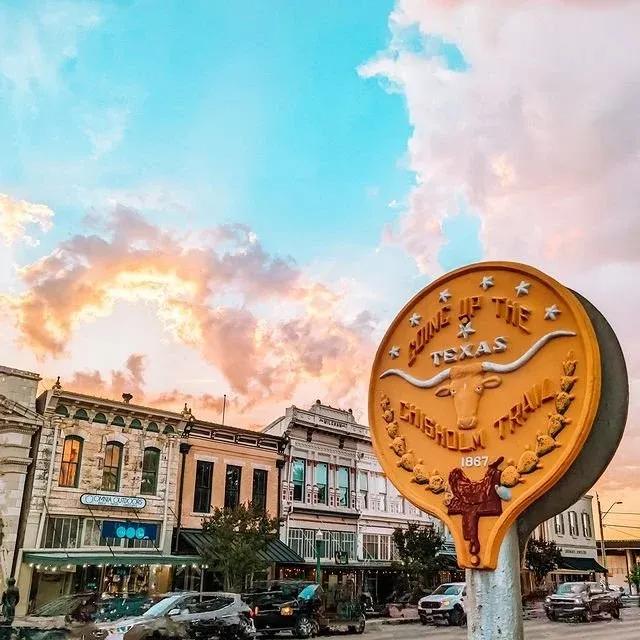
(482, 393)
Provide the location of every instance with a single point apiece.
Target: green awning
(276, 551)
(60, 559)
(585, 565)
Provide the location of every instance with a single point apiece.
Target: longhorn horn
(422, 384)
(527, 355)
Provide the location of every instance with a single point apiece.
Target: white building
(332, 483)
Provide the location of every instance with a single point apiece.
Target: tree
(418, 548)
(634, 578)
(541, 558)
(234, 542)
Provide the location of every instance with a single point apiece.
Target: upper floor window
(112, 466)
(343, 486)
(135, 424)
(363, 489)
(259, 493)
(61, 410)
(298, 477)
(202, 490)
(118, 421)
(150, 466)
(81, 414)
(558, 524)
(61, 533)
(70, 466)
(100, 418)
(321, 481)
(232, 486)
(586, 524)
(573, 523)
(168, 430)
(153, 427)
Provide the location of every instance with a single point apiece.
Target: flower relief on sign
(482, 393)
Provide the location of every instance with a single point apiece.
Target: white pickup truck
(447, 602)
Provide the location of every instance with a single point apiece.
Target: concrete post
(494, 601)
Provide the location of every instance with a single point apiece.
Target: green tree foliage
(634, 578)
(418, 547)
(542, 557)
(234, 542)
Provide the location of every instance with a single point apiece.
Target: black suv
(580, 600)
(294, 606)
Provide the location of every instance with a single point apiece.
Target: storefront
(577, 569)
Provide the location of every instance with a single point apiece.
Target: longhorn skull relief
(466, 383)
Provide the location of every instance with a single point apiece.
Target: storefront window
(150, 465)
(298, 477)
(343, 486)
(70, 466)
(112, 467)
(232, 486)
(259, 493)
(321, 481)
(61, 533)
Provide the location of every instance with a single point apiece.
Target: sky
(236, 198)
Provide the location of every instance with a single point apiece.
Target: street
(627, 628)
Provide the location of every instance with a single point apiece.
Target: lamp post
(319, 538)
(603, 551)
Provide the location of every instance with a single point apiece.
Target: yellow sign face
(482, 394)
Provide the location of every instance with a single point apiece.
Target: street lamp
(603, 551)
(319, 538)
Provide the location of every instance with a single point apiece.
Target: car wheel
(587, 616)
(423, 620)
(358, 628)
(552, 616)
(456, 617)
(615, 613)
(304, 627)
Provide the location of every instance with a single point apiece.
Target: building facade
(334, 489)
(19, 426)
(622, 557)
(101, 505)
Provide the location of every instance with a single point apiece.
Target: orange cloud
(17, 215)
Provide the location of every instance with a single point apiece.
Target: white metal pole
(494, 600)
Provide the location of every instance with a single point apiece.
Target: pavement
(536, 627)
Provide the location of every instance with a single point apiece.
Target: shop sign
(129, 530)
(482, 393)
(122, 502)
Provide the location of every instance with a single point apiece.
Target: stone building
(332, 486)
(101, 505)
(19, 425)
(622, 557)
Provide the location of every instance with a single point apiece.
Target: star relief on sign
(394, 352)
(551, 312)
(487, 282)
(444, 295)
(465, 330)
(522, 289)
(414, 320)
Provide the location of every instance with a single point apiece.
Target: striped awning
(54, 558)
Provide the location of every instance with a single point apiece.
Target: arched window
(70, 467)
(150, 467)
(112, 466)
(81, 414)
(169, 430)
(152, 426)
(135, 424)
(118, 421)
(100, 418)
(61, 410)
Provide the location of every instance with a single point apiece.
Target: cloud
(17, 215)
(259, 319)
(105, 130)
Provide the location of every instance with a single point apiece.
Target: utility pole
(224, 407)
(603, 551)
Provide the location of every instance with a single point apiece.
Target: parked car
(581, 600)
(447, 602)
(185, 614)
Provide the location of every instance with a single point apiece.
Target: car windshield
(61, 606)
(570, 587)
(309, 592)
(162, 606)
(448, 590)
(124, 607)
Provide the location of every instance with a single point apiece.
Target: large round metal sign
(482, 393)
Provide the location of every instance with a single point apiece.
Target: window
(343, 487)
(61, 410)
(153, 427)
(112, 466)
(321, 481)
(81, 414)
(70, 467)
(378, 547)
(586, 525)
(298, 476)
(150, 466)
(573, 523)
(259, 492)
(558, 523)
(61, 533)
(168, 430)
(202, 491)
(135, 424)
(118, 421)
(363, 488)
(295, 541)
(100, 418)
(232, 486)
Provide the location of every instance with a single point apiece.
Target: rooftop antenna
(224, 406)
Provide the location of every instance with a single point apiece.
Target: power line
(619, 524)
